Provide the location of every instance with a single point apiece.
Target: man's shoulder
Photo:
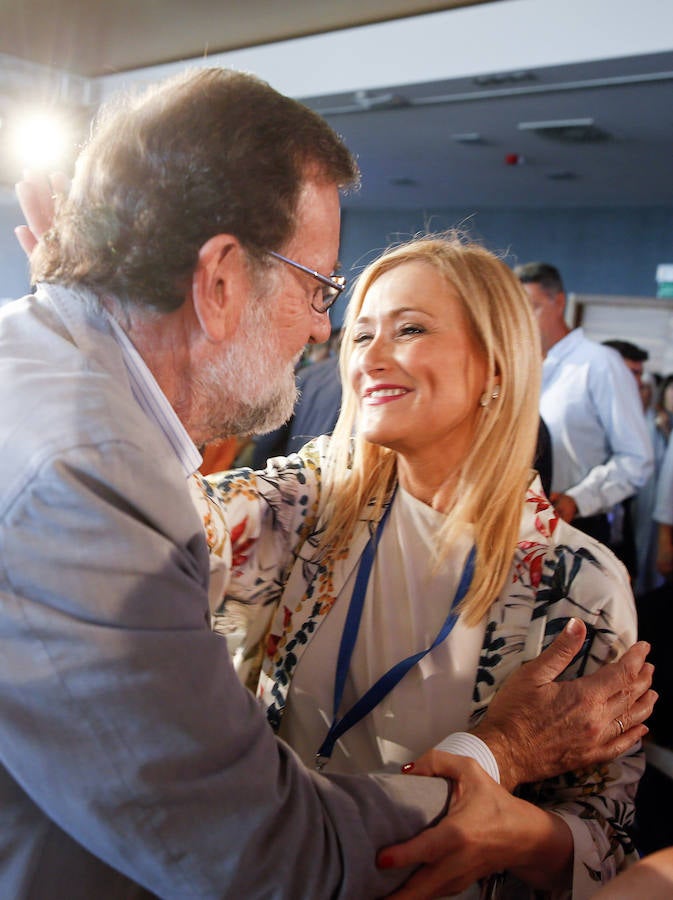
(581, 345)
(598, 350)
(55, 397)
(50, 382)
(600, 358)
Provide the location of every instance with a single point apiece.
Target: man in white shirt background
(601, 450)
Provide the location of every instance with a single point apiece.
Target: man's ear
(220, 286)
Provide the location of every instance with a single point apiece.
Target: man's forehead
(317, 220)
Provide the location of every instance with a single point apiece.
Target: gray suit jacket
(131, 759)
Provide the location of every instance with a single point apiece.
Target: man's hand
(37, 195)
(564, 505)
(486, 830)
(538, 727)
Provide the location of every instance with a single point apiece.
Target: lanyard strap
(393, 676)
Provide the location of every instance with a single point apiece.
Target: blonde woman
(413, 562)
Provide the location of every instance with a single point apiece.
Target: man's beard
(245, 390)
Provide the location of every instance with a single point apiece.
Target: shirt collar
(154, 403)
(565, 345)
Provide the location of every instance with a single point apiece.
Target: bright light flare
(40, 139)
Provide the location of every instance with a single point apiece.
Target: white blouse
(406, 604)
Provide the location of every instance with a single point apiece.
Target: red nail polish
(407, 767)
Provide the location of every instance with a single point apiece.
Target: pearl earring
(486, 398)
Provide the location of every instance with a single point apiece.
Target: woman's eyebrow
(394, 313)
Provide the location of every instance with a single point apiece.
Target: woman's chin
(381, 437)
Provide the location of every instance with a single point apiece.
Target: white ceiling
(402, 93)
(94, 38)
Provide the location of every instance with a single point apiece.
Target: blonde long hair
(492, 481)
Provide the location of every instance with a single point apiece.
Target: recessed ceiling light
(386, 100)
(468, 137)
(567, 131)
(554, 123)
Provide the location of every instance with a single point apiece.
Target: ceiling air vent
(568, 131)
(504, 79)
(564, 175)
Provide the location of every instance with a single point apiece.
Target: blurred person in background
(601, 451)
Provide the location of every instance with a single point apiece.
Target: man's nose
(321, 327)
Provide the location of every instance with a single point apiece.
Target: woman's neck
(430, 485)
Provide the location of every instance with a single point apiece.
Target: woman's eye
(361, 338)
(411, 329)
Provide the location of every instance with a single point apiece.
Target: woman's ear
(220, 286)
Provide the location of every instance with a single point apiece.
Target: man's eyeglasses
(332, 285)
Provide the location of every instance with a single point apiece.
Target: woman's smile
(383, 393)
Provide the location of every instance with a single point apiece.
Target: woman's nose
(374, 354)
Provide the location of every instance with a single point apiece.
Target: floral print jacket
(264, 530)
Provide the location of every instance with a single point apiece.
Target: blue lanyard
(393, 676)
